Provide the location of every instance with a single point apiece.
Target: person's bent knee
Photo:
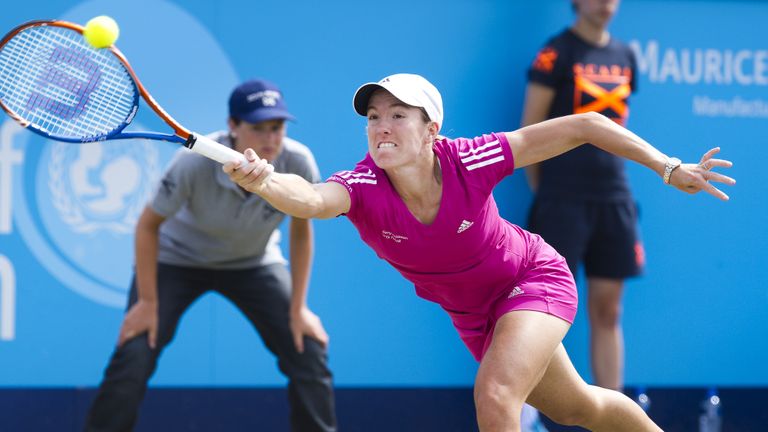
(312, 364)
(133, 361)
(582, 412)
(569, 417)
(494, 400)
(606, 315)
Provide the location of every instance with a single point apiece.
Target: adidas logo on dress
(516, 291)
(465, 224)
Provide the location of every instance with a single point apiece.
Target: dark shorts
(601, 235)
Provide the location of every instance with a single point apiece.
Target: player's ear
(433, 130)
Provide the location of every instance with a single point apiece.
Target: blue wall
(695, 318)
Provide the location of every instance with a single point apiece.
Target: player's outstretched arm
(545, 140)
(289, 193)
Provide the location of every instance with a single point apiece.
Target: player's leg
(564, 225)
(523, 344)
(263, 295)
(564, 397)
(606, 335)
(614, 253)
(122, 389)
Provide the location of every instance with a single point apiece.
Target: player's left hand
(305, 323)
(692, 178)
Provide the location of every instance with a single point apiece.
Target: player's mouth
(385, 145)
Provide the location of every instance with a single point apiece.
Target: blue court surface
(358, 409)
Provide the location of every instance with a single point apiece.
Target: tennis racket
(55, 84)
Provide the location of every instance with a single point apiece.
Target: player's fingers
(152, 337)
(250, 155)
(715, 192)
(260, 169)
(232, 166)
(237, 169)
(322, 337)
(708, 155)
(233, 170)
(228, 167)
(246, 174)
(126, 334)
(318, 333)
(268, 170)
(722, 163)
(720, 178)
(298, 341)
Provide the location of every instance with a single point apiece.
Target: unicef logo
(101, 186)
(76, 207)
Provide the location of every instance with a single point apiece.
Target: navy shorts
(601, 235)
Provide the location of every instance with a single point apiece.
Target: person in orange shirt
(583, 205)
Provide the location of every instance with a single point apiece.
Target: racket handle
(213, 150)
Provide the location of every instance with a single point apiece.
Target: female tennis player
(423, 203)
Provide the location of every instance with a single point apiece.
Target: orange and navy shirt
(585, 78)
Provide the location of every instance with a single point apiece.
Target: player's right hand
(141, 318)
(251, 176)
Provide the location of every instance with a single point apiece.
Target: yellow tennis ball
(101, 31)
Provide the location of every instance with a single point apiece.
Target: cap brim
(266, 114)
(363, 95)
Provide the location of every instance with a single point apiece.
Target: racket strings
(51, 78)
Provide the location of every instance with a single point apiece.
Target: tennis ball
(101, 31)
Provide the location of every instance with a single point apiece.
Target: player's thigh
(615, 250)
(522, 345)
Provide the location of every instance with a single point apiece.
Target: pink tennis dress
(469, 260)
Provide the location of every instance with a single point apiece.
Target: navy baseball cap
(256, 101)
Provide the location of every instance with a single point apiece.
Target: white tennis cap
(411, 89)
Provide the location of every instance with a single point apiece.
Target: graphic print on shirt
(603, 89)
(352, 177)
(465, 224)
(348, 178)
(545, 60)
(483, 155)
(389, 235)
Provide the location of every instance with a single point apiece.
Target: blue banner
(696, 317)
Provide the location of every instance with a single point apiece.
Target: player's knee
(581, 411)
(497, 406)
(606, 314)
(569, 416)
(492, 396)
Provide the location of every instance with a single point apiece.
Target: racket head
(55, 84)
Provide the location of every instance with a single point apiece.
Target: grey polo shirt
(211, 222)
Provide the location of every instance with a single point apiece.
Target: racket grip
(213, 150)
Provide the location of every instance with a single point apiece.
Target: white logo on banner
(75, 207)
(7, 300)
(701, 65)
(737, 68)
(95, 186)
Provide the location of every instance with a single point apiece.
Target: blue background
(697, 316)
